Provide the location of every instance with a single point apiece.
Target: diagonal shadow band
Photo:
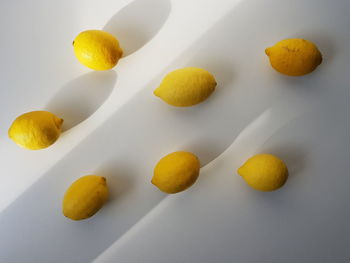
(81, 97)
(221, 117)
(138, 23)
(134, 26)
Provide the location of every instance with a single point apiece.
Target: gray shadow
(322, 41)
(138, 23)
(224, 76)
(293, 155)
(119, 179)
(205, 146)
(43, 225)
(81, 97)
(206, 149)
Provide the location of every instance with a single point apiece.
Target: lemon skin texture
(186, 87)
(35, 130)
(85, 197)
(294, 57)
(176, 172)
(264, 172)
(97, 49)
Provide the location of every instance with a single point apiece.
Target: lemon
(85, 197)
(176, 172)
(264, 172)
(294, 57)
(35, 130)
(186, 87)
(97, 49)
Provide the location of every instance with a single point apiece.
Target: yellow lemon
(97, 49)
(186, 87)
(85, 197)
(264, 172)
(35, 130)
(294, 57)
(176, 172)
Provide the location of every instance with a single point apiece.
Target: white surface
(53, 75)
(254, 109)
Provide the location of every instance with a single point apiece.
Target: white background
(114, 126)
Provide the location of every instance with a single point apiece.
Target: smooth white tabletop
(115, 127)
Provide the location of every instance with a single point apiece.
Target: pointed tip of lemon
(58, 122)
(267, 51)
(240, 171)
(156, 92)
(152, 182)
